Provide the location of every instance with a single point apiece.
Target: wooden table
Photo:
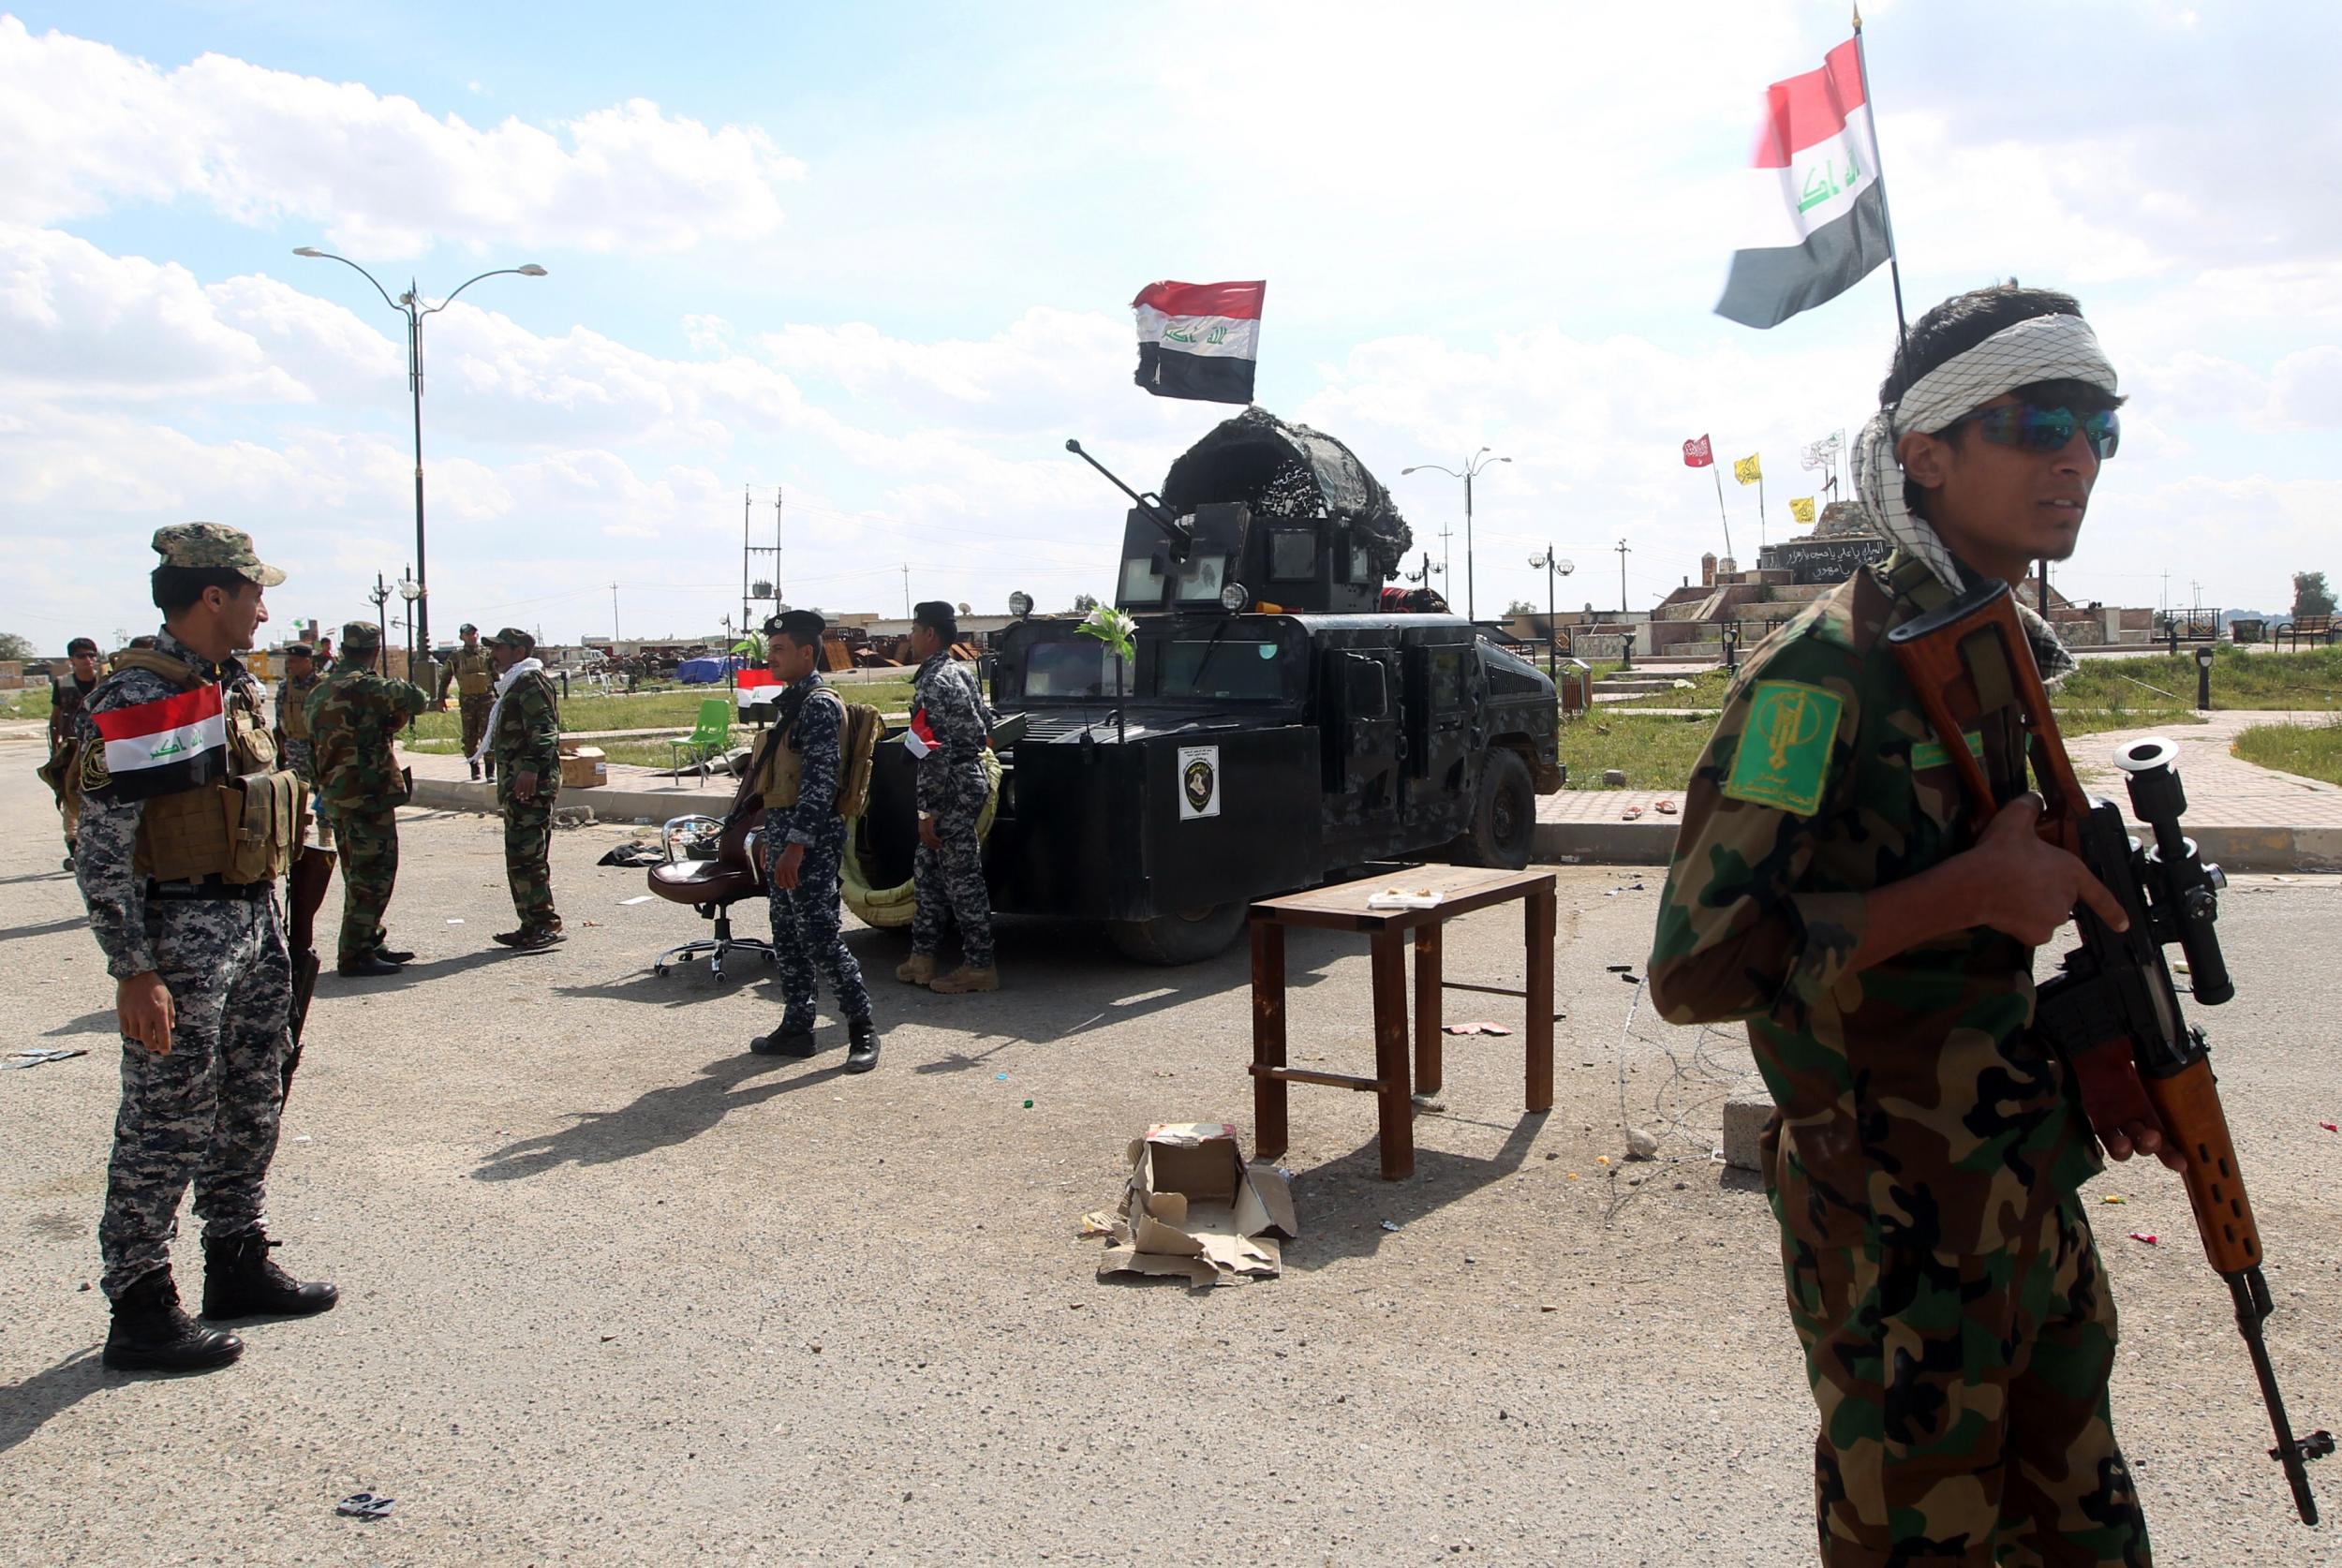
(1342, 908)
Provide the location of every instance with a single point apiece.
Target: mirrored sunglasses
(2047, 430)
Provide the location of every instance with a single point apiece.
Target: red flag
(1698, 454)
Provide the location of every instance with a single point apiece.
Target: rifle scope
(2186, 888)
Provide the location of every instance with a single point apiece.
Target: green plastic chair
(709, 738)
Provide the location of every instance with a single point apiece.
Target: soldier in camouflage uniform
(472, 672)
(523, 730)
(292, 719)
(1923, 1160)
(67, 698)
(353, 714)
(950, 719)
(798, 774)
(195, 941)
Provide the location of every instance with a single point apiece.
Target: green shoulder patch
(1783, 759)
(1936, 754)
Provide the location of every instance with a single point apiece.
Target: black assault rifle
(2112, 997)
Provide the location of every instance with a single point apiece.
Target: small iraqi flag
(919, 738)
(1199, 340)
(164, 747)
(1814, 215)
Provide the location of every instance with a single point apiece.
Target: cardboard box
(584, 767)
(1194, 1209)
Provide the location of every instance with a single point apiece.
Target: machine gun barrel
(1149, 505)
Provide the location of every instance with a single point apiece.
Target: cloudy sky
(881, 256)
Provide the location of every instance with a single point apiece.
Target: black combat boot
(151, 1334)
(365, 967)
(394, 955)
(242, 1281)
(491, 769)
(861, 1043)
(790, 1040)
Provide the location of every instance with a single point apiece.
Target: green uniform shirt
(528, 737)
(353, 714)
(1913, 1098)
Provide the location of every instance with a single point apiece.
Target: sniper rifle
(2112, 1007)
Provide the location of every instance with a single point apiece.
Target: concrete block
(1744, 1118)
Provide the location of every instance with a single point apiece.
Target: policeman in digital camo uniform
(523, 730)
(353, 714)
(799, 771)
(949, 717)
(472, 672)
(1923, 1162)
(174, 748)
(66, 699)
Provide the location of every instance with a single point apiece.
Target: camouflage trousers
(1963, 1404)
(369, 846)
(474, 712)
(948, 884)
(528, 859)
(205, 1113)
(301, 755)
(804, 932)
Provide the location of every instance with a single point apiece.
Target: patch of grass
(1656, 753)
(677, 709)
(2307, 750)
(2311, 679)
(1707, 691)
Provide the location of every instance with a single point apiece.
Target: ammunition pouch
(471, 683)
(292, 714)
(241, 830)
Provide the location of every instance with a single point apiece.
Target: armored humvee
(1276, 727)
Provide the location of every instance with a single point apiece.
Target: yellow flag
(1746, 470)
(1801, 507)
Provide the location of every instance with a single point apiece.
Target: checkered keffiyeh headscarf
(2039, 349)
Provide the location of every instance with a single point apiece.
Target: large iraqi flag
(1199, 340)
(1814, 217)
(164, 747)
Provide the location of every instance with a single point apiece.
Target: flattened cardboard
(1194, 1209)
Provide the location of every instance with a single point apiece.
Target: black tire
(1504, 818)
(1189, 938)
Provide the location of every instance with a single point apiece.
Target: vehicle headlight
(1234, 597)
(1020, 604)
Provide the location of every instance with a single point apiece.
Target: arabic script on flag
(1697, 453)
(1748, 471)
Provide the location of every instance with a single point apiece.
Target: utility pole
(1624, 551)
(906, 590)
(614, 620)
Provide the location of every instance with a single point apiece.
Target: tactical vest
(782, 770)
(241, 829)
(292, 709)
(473, 676)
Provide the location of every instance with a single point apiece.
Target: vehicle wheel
(1187, 937)
(1504, 818)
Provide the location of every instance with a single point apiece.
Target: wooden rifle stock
(2112, 1007)
(312, 873)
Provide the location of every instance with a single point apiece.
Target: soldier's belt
(210, 890)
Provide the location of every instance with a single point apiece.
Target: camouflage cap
(214, 544)
(513, 636)
(467, 628)
(298, 650)
(362, 634)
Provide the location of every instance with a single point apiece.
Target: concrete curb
(1638, 843)
(609, 805)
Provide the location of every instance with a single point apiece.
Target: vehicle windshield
(1227, 661)
(1071, 669)
(1247, 666)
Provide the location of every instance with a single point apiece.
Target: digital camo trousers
(529, 860)
(369, 846)
(205, 1113)
(948, 886)
(806, 940)
(474, 712)
(1964, 1417)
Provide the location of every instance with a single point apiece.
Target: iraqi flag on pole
(1814, 215)
(1199, 340)
(164, 747)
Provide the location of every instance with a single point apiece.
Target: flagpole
(1760, 512)
(1878, 174)
(1718, 475)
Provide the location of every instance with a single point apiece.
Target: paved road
(615, 1292)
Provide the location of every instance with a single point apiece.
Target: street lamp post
(410, 305)
(1473, 467)
(410, 590)
(1555, 569)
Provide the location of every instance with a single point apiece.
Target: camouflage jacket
(816, 732)
(105, 846)
(353, 714)
(1915, 1102)
(944, 697)
(528, 737)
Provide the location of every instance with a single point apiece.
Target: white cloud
(84, 127)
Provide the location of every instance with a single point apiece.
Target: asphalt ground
(616, 1292)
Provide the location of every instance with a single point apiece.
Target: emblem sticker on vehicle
(1199, 782)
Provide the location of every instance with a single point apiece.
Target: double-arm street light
(410, 305)
(1556, 568)
(1472, 465)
